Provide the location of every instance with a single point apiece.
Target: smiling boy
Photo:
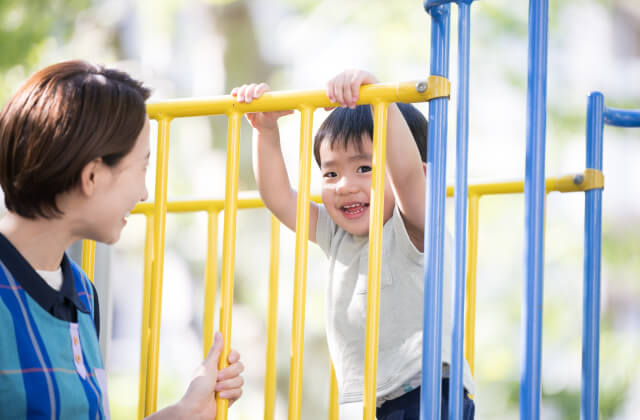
(343, 149)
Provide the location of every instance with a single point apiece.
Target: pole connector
(422, 86)
(590, 179)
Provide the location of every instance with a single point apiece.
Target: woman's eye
(330, 175)
(363, 169)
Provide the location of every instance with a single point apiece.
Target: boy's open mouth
(354, 209)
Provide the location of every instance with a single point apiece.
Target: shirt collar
(34, 285)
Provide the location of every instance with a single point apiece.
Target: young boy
(74, 150)
(343, 149)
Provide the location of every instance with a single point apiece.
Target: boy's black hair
(346, 126)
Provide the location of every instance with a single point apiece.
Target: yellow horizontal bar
(434, 87)
(562, 184)
(592, 179)
(186, 206)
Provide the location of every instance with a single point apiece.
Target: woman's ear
(424, 168)
(88, 177)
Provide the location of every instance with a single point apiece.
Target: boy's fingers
(234, 91)
(330, 94)
(260, 89)
(338, 89)
(248, 93)
(356, 83)
(241, 92)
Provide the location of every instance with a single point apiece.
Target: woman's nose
(145, 194)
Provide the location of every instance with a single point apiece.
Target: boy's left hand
(345, 87)
(229, 382)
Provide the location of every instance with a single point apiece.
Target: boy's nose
(345, 186)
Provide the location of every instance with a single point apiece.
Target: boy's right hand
(258, 120)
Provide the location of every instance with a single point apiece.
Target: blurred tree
(25, 27)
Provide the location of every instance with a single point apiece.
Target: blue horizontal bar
(622, 117)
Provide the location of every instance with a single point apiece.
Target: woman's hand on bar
(229, 383)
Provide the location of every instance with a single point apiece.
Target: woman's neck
(41, 242)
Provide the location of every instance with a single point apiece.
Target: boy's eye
(364, 168)
(330, 174)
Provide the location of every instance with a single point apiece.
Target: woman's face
(119, 191)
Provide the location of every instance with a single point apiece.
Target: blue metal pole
(462, 140)
(434, 220)
(534, 192)
(592, 254)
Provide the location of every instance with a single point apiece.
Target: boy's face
(120, 189)
(346, 185)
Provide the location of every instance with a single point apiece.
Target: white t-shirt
(53, 278)
(401, 307)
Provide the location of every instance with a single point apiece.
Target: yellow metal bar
(145, 328)
(334, 408)
(591, 179)
(159, 219)
(375, 248)
(561, 184)
(300, 281)
(472, 267)
(210, 281)
(229, 246)
(250, 202)
(272, 323)
(436, 87)
(88, 258)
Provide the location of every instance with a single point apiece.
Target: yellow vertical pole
(159, 219)
(272, 322)
(210, 280)
(472, 253)
(146, 303)
(229, 245)
(88, 257)
(299, 290)
(376, 221)
(334, 408)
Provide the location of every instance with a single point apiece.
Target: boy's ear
(88, 177)
(424, 168)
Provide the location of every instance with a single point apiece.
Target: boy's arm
(405, 168)
(268, 163)
(407, 175)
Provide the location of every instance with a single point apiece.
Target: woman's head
(64, 117)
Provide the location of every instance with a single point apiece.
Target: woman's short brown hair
(65, 116)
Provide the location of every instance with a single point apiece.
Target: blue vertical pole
(461, 195)
(434, 220)
(534, 192)
(592, 254)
